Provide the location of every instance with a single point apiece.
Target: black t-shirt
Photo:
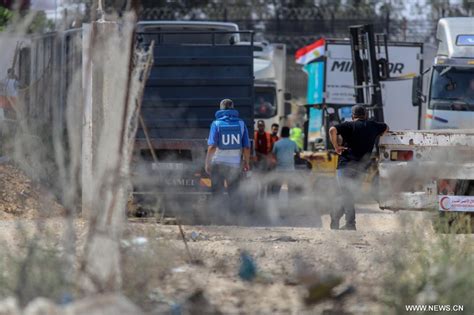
(359, 138)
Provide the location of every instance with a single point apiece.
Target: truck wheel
(140, 206)
(453, 223)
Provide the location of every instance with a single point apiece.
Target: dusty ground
(361, 257)
(159, 276)
(21, 198)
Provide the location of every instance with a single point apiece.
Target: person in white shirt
(10, 92)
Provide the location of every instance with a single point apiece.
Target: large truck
(270, 80)
(196, 65)
(445, 92)
(434, 168)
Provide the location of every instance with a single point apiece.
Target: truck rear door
(182, 94)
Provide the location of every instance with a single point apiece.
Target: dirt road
(159, 276)
(361, 257)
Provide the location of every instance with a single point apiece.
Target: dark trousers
(261, 168)
(220, 174)
(278, 179)
(348, 179)
(275, 186)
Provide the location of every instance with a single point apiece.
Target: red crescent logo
(445, 203)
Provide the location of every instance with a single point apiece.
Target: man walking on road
(262, 145)
(359, 137)
(228, 142)
(8, 104)
(284, 152)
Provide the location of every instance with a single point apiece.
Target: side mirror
(384, 72)
(287, 110)
(416, 91)
(287, 96)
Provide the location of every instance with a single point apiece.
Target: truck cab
(448, 94)
(270, 79)
(433, 168)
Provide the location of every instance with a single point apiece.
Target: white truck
(405, 62)
(434, 168)
(271, 98)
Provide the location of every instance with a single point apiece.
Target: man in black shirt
(359, 137)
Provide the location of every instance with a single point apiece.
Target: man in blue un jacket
(228, 142)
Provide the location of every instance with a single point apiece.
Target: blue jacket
(229, 134)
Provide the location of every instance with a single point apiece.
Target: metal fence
(48, 67)
(296, 25)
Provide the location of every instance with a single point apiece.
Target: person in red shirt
(262, 144)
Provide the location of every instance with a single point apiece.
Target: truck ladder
(368, 70)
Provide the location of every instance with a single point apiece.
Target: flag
(309, 53)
